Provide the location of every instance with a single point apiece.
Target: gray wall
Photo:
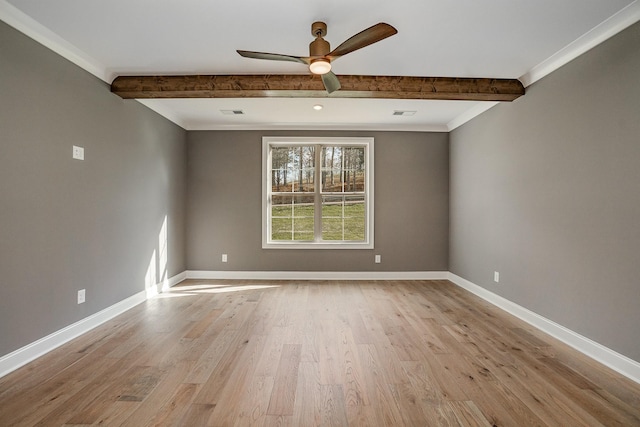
(547, 192)
(224, 205)
(67, 224)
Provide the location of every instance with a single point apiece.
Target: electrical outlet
(81, 296)
(378, 259)
(224, 257)
(78, 152)
(496, 277)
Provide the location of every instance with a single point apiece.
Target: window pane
(303, 235)
(331, 167)
(354, 218)
(304, 180)
(332, 181)
(353, 163)
(281, 168)
(281, 206)
(281, 180)
(292, 218)
(343, 218)
(304, 166)
(332, 206)
(293, 169)
(358, 184)
(343, 169)
(303, 206)
(332, 229)
(281, 229)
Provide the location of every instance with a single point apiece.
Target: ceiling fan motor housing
(319, 47)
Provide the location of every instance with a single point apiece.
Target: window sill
(340, 245)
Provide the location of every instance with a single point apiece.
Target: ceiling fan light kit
(320, 66)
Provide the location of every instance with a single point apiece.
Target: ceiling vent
(403, 113)
(232, 112)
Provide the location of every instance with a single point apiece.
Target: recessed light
(318, 107)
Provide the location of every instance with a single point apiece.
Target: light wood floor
(379, 353)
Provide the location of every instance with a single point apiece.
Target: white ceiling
(464, 38)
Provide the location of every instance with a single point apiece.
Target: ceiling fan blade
(274, 56)
(364, 38)
(331, 82)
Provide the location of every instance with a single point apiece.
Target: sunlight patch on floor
(191, 290)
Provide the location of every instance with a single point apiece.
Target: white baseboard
(319, 275)
(26, 354)
(164, 285)
(616, 361)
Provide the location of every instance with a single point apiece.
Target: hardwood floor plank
(223, 370)
(56, 396)
(172, 412)
(90, 404)
(278, 421)
(211, 356)
(403, 342)
(227, 397)
(94, 394)
(615, 404)
(428, 391)
(286, 381)
(226, 383)
(307, 409)
(468, 414)
(161, 395)
(270, 359)
(376, 381)
(252, 409)
(198, 414)
(114, 414)
(355, 391)
(410, 409)
(310, 351)
(332, 406)
(316, 353)
(567, 373)
(543, 398)
(203, 324)
(330, 359)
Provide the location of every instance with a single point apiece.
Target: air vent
(232, 112)
(403, 113)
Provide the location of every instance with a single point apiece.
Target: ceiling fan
(320, 55)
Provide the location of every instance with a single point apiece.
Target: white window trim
(267, 141)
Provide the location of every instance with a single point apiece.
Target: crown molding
(607, 29)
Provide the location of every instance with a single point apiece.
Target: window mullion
(317, 176)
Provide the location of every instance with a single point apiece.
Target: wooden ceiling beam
(310, 86)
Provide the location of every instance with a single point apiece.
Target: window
(317, 193)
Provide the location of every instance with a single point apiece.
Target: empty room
(340, 213)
